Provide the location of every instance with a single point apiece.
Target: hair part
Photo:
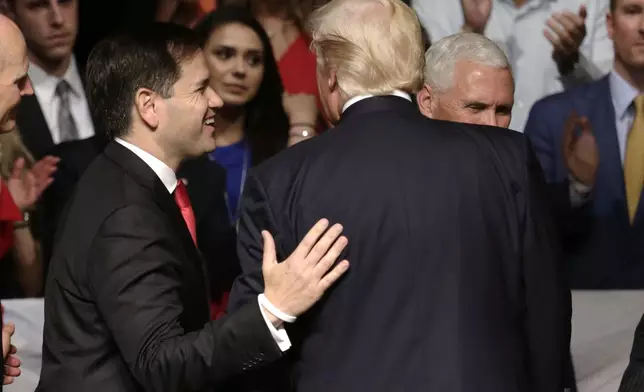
(441, 58)
(119, 66)
(374, 46)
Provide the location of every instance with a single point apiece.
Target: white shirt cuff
(279, 334)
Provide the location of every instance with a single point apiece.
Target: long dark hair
(267, 123)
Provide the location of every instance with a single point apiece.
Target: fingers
(11, 371)
(310, 239)
(569, 136)
(330, 257)
(563, 39)
(566, 31)
(13, 350)
(584, 123)
(270, 255)
(334, 275)
(18, 166)
(583, 12)
(12, 362)
(323, 245)
(8, 380)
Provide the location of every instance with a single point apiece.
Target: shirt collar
(397, 93)
(46, 84)
(622, 93)
(163, 171)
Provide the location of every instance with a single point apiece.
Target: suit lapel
(146, 177)
(33, 127)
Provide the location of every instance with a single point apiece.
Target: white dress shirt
(169, 179)
(519, 32)
(45, 90)
(397, 93)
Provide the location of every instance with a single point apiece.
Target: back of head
(374, 46)
(442, 56)
(148, 57)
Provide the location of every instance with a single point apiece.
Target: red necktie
(183, 201)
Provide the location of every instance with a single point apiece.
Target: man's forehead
(194, 71)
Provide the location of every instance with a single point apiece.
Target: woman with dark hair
(285, 23)
(252, 125)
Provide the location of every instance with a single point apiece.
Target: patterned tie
(66, 124)
(183, 201)
(634, 160)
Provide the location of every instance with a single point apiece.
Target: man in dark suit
(58, 109)
(586, 139)
(455, 283)
(205, 181)
(633, 380)
(126, 306)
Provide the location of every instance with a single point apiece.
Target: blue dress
(236, 160)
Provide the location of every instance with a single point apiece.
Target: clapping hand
(476, 14)
(11, 362)
(566, 31)
(580, 150)
(26, 186)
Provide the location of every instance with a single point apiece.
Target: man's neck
(634, 76)
(229, 124)
(154, 149)
(54, 68)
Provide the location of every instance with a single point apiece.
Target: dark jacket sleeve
(633, 380)
(547, 299)
(255, 216)
(135, 279)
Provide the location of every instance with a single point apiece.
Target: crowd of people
(318, 195)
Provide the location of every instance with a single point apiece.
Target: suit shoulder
(569, 97)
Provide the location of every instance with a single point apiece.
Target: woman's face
(235, 58)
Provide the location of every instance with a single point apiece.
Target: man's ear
(424, 100)
(333, 80)
(146, 104)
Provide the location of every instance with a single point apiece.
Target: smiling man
(126, 304)
(467, 79)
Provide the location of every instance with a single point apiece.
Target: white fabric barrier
(603, 324)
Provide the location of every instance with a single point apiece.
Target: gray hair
(442, 56)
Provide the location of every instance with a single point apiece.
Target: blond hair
(12, 148)
(374, 46)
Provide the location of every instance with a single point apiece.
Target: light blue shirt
(623, 95)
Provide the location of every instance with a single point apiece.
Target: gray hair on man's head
(441, 58)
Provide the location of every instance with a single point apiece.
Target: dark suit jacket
(633, 380)
(126, 307)
(33, 127)
(454, 282)
(206, 184)
(602, 249)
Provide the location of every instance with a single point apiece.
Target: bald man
(14, 83)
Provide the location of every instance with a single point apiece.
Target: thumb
(270, 256)
(9, 328)
(582, 11)
(18, 166)
(585, 126)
